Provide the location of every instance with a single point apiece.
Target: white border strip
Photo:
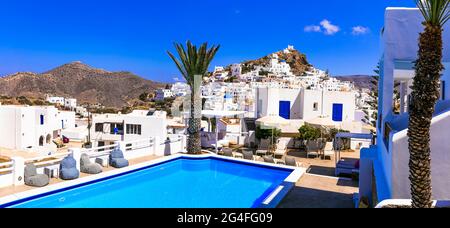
(272, 195)
(293, 178)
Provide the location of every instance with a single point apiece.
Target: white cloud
(330, 29)
(325, 26)
(313, 28)
(360, 30)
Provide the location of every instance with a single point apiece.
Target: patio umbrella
(272, 122)
(323, 122)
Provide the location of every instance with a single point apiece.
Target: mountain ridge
(81, 81)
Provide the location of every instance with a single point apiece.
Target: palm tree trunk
(424, 97)
(194, 141)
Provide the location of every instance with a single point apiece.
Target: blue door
(285, 109)
(338, 110)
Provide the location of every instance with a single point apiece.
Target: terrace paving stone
(318, 188)
(16, 189)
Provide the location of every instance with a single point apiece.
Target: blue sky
(339, 35)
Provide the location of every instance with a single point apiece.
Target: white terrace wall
(11, 173)
(177, 144)
(440, 160)
(6, 175)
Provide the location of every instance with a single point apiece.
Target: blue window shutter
(42, 119)
(285, 109)
(338, 110)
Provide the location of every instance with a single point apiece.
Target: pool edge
(21, 197)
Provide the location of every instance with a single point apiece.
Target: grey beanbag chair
(291, 161)
(269, 159)
(33, 179)
(248, 155)
(88, 167)
(117, 160)
(227, 152)
(68, 169)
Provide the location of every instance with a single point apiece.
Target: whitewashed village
(325, 128)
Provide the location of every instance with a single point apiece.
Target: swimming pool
(183, 182)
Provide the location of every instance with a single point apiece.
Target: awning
(353, 135)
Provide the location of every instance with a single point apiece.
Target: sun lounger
(89, 167)
(282, 147)
(248, 155)
(290, 161)
(328, 150)
(68, 169)
(263, 147)
(117, 160)
(227, 152)
(269, 159)
(33, 179)
(347, 167)
(312, 148)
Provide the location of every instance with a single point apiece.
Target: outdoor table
(52, 171)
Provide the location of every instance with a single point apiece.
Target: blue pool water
(181, 183)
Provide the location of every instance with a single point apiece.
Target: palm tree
(424, 98)
(193, 63)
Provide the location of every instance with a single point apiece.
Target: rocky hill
(80, 81)
(297, 61)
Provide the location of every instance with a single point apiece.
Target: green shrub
(263, 133)
(309, 133)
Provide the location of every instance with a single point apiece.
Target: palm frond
(193, 61)
(435, 12)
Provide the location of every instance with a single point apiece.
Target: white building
(316, 79)
(220, 73)
(180, 89)
(33, 128)
(278, 67)
(236, 70)
(220, 96)
(388, 160)
(69, 103)
(162, 94)
(56, 100)
(109, 128)
(306, 104)
(82, 111)
(289, 49)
